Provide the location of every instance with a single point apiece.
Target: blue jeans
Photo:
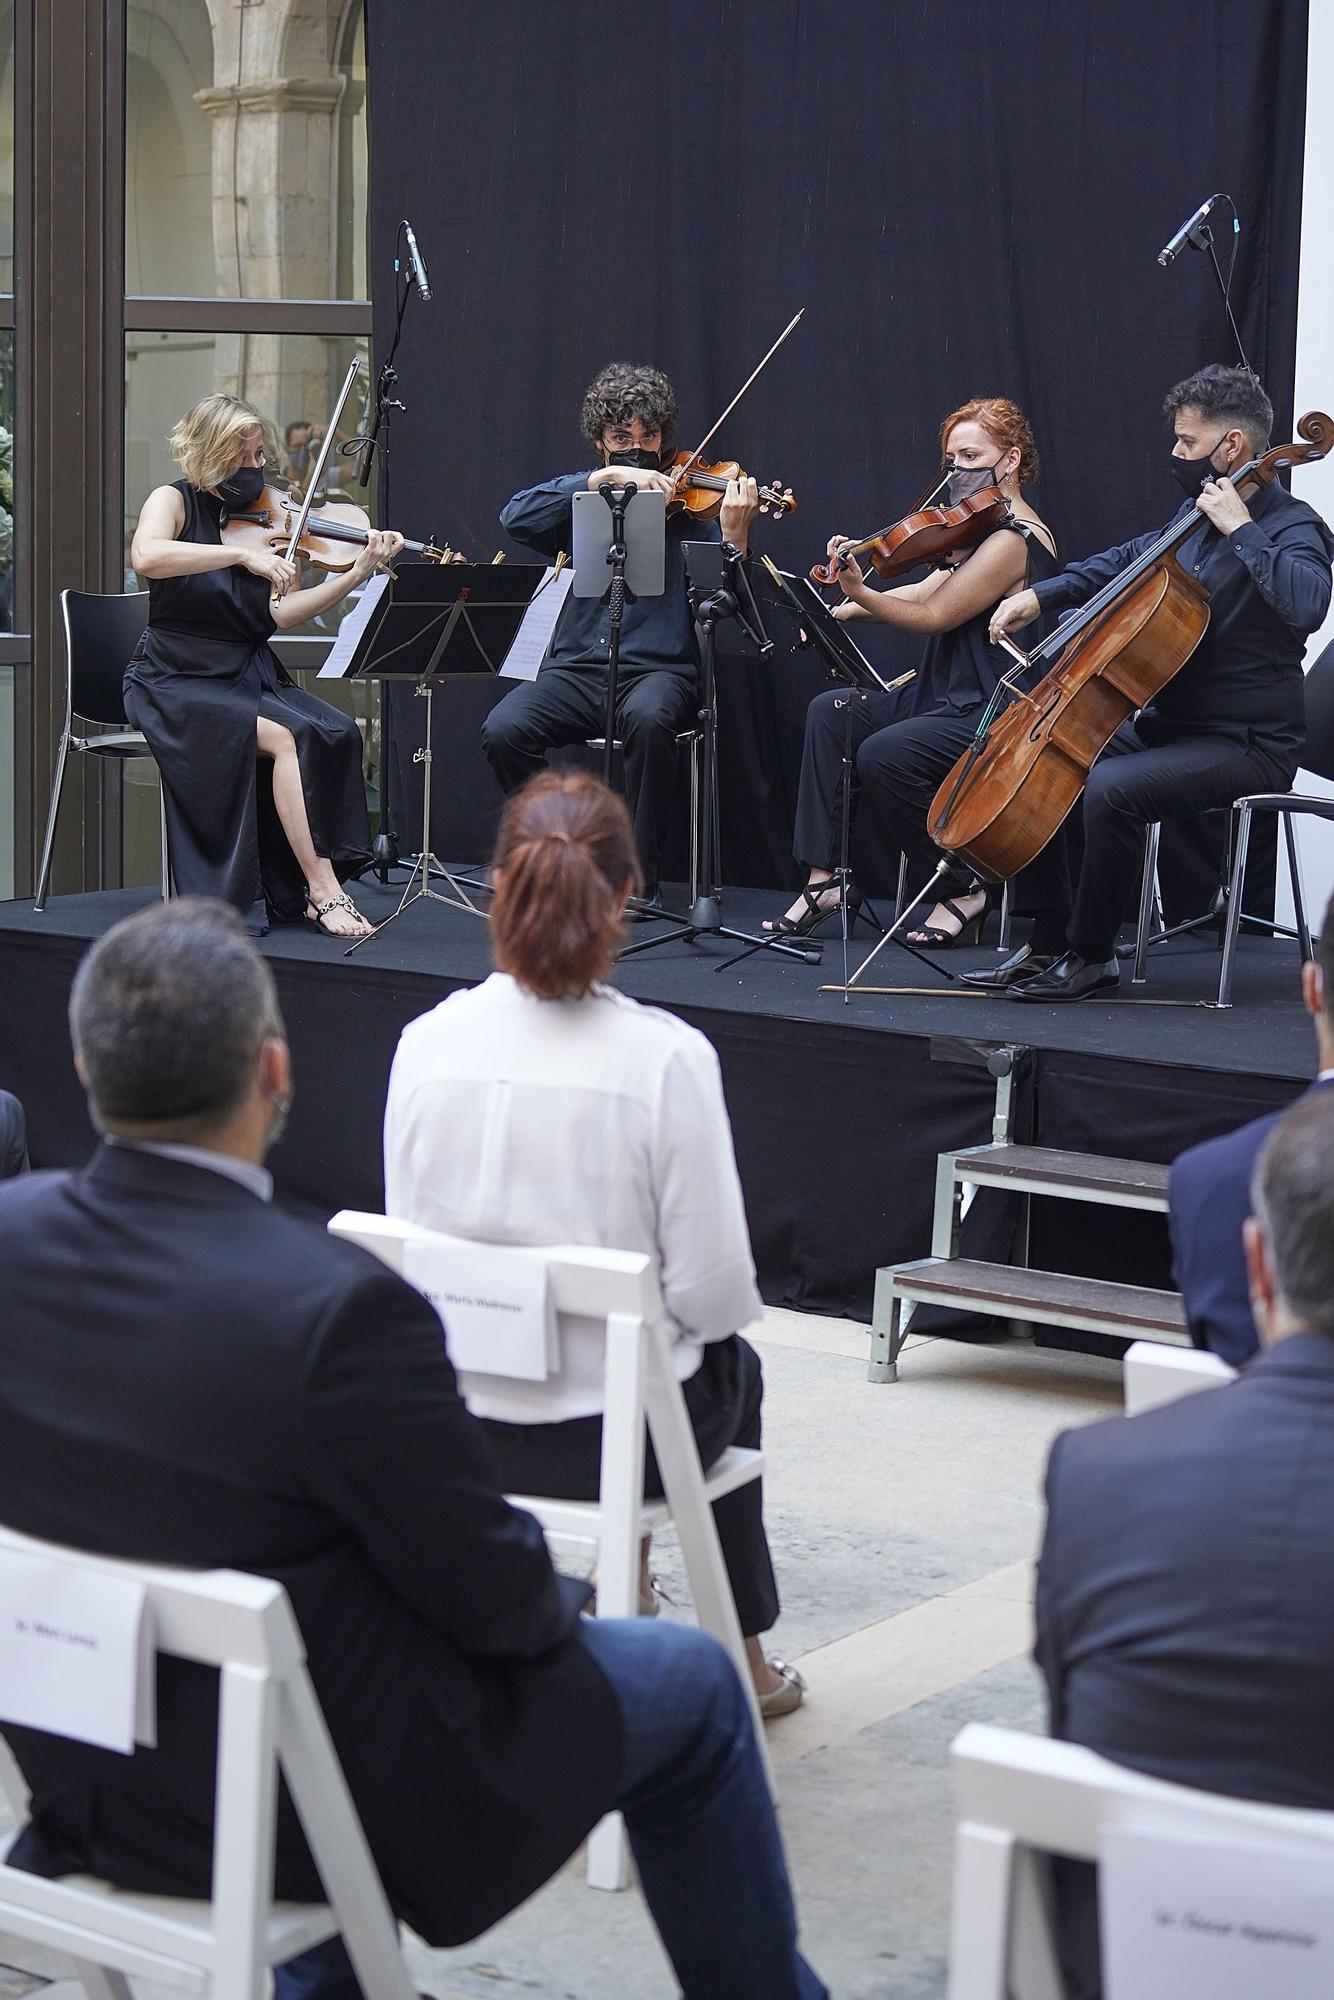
(700, 1821)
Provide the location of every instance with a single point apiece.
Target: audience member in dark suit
(1191, 1640)
(238, 1389)
(13, 1137)
(1209, 1192)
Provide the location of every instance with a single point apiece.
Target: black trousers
(899, 760)
(1152, 770)
(723, 1398)
(569, 704)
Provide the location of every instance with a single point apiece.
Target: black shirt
(1269, 589)
(656, 632)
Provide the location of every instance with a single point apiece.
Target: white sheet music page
(352, 627)
(533, 637)
(73, 1647)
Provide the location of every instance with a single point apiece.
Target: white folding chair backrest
(1020, 1797)
(1156, 1374)
(619, 1287)
(268, 1718)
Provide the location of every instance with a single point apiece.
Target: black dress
(201, 675)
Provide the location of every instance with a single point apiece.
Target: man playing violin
(629, 417)
(1231, 721)
(907, 738)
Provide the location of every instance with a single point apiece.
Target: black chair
(100, 635)
(1318, 756)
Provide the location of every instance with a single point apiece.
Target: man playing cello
(1231, 721)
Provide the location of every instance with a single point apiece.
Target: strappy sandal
(969, 931)
(816, 909)
(321, 911)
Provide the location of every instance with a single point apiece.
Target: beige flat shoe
(782, 1700)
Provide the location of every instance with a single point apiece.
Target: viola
(328, 539)
(700, 488)
(924, 536)
(1028, 763)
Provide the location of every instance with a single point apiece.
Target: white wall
(1315, 391)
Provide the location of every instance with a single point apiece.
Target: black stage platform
(839, 1110)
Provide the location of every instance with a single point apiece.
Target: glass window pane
(292, 380)
(246, 150)
(6, 145)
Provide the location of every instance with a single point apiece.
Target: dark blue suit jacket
(1188, 1639)
(189, 1375)
(1209, 1197)
(13, 1137)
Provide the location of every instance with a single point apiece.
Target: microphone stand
(384, 848)
(733, 600)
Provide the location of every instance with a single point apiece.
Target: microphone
(1186, 233)
(417, 262)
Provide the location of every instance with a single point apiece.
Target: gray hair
(168, 1014)
(1292, 1193)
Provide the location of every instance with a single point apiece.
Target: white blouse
(600, 1121)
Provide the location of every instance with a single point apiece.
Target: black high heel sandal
(933, 938)
(817, 909)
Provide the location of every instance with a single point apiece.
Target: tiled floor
(903, 1520)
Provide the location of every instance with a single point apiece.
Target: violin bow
(317, 470)
(683, 472)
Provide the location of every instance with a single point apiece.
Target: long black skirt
(224, 837)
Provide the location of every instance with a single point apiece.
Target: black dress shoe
(1012, 971)
(1071, 978)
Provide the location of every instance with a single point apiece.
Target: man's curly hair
(621, 392)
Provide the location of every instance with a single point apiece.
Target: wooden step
(1007, 1292)
(1074, 1176)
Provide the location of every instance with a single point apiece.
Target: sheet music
(352, 627)
(533, 637)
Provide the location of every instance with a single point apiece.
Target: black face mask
(1190, 474)
(647, 461)
(243, 489)
(968, 480)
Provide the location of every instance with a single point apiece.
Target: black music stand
(428, 622)
(845, 662)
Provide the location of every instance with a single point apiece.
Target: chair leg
(1234, 905)
(620, 1503)
(1295, 875)
(1146, 888)
(980, 1919)
(902, 889)
(48, 845)
(166, 858)
(694, 821)
(1006, 918)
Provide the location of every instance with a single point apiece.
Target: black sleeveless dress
(201, 675)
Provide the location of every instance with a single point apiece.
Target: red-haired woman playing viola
(906, 740)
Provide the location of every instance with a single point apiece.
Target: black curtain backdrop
(966, 201)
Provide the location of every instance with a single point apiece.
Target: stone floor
(903, 1520)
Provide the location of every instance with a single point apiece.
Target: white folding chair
(620, 1288)
(1155, 1373)
(1020, 1798)
(268, 1721)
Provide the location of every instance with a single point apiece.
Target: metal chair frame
(114, 740)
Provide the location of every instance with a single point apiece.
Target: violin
(700, 488)
(327, 539)
(1027, 764)
(924, 536)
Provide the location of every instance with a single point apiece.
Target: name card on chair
(1183, 1917)
(497, 1309)
(76, 1653)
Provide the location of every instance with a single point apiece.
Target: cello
(1008, 793)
